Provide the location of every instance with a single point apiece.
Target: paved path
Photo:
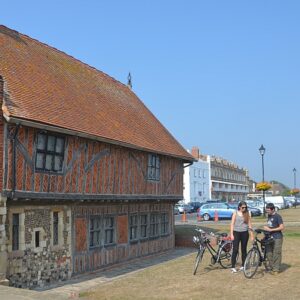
(71, 289)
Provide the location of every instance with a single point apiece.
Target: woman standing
(240, 223)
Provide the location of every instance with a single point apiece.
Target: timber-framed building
(88, 175)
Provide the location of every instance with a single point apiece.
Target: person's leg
(277, 254)
(235, 249)
(244, 241)
(269, 256)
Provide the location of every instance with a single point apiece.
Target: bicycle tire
(252, 262)
(198, 260)
(225, 255)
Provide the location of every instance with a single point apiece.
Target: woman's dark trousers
(239, 237)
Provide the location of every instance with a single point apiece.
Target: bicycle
(223, 253)
(256, 256)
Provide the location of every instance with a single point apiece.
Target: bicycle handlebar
(258, 231)
(217, 235)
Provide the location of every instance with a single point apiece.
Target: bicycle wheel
(198, 260)
(251, 263)
(225, 255)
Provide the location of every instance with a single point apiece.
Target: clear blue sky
(222, 75)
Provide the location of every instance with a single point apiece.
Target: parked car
(257, 204)
(214, 201)
(176, 210)
(184, 208)
(195, 205)
(288, 203)
(207, 211)
(278, 201)
(253, 210)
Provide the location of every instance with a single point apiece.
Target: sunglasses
(243, 207)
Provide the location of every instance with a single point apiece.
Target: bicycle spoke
(225, 255)
(251, 263)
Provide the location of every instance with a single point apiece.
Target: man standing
(275, 227)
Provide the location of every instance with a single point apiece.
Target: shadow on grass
(261, 271)
(284, 267)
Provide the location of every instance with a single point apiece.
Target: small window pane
(51, 143)
(48, 162)
(92, 224)
(41, 143)
(59, 148)
(157, 175)
(55, 228)
(15, 232)
(58, 163)
(40, 160)
(157, 162)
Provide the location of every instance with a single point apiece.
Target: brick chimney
(195, 152)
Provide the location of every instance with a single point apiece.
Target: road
(192, 220)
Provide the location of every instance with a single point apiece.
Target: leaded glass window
(164, 223)
(55, 228)
(144, 226)
(95, 231)
(153, 172)
(50, 153)
(109, 229)
(15, 231)
(154, 225)
(133, 227)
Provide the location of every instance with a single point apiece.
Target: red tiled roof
(47, 86)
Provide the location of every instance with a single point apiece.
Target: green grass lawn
(174, 279)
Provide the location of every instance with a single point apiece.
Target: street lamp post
(262, 151)
(294, 170)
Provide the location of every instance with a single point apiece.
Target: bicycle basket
(227, 247)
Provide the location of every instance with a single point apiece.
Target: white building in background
(196, 179)
(229, 182)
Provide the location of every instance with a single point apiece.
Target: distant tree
(279, 183)
(294, 191)
(286, 192)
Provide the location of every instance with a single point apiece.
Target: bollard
(183, 217)
(216, 216)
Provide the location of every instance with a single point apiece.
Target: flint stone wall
(39, 269)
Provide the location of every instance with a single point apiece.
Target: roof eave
(43, 126)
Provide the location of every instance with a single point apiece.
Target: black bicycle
(221, 255)
(256, 256)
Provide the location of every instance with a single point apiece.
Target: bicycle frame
(216, 254)
(262, 254)
(256, 256)
(221, 255)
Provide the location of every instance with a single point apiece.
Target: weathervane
(129, 83)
